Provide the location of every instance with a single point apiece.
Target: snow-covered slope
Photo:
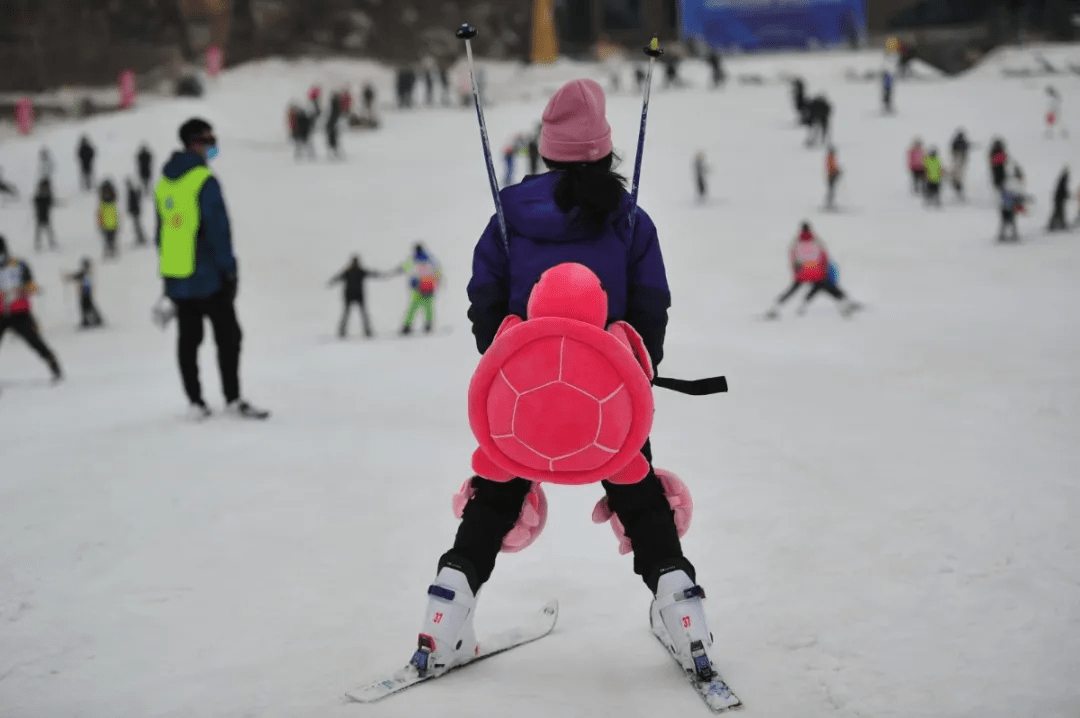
(885, 507)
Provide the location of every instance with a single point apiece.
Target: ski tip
(466, 32)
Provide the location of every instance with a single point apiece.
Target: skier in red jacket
(810, 264)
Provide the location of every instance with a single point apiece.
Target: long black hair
(594, 188)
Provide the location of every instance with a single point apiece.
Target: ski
(540, 625)
(716, 693)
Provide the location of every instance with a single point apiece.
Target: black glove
(232, 286)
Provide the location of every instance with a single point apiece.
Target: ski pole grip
(466, 32)
(653, 49)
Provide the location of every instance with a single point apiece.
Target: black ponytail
(593, 188)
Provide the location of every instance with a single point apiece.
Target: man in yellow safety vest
(197, 263)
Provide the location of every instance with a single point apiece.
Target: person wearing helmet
(424, 276)
(16, 288)
(810, 264)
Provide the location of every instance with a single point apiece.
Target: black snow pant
(140, 236)
(824, 286)
(190, 313)
(642, 508)
(24, 325)
(1057, 220)
(332, 141)
(359, 302)
(87, 178)
(91, 317)
(918, 181)
(109, 236)
(933, 193)
(44, 228)
(1008, 222)
(701, 188)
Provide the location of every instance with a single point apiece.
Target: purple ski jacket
(630, 266)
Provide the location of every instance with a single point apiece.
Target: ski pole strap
(693, 387)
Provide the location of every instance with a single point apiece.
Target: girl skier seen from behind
(578, 212)
(916, 162)
(810, 264)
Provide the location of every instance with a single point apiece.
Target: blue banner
(750, 25)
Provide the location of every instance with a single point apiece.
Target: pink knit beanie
(575, 127)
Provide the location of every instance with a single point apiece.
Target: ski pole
(467, 32)
(653, 51)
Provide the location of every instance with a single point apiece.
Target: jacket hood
(181, 163)
(529, 207)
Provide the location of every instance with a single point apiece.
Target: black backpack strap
(695, 387)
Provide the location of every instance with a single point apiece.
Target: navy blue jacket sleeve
(215, 227)
(489, 287)
(648, 296)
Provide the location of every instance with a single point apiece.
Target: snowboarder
(999, 160)
(86, 154)
(144, 162)
(1053, 113)
(934, 175)
(352, 278)
(960, 148)
(1061, 196)
(819, 110)
(134, 208)
(108, 218)
(195, 258)
(43, 207)
(1013, 202)
(90, 316)
(424, 275)
(8, 189)
(810, 264)
(886, 92)
(577, 212)
(16, 288)
(832, 176)
(701, 171)
(916, 162)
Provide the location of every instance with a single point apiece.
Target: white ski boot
(447, 638)
(678, 619)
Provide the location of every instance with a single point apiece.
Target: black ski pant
(1008, 222)
(918, 181)
(140, 236)
(24, 325)
(933, 193)
(87, 178)
(91, 317)
(190, 316)
(44, 228)
(642, 508)
(1057, 220)
(701, 188)
(109, 235)
(359, 302)
(823, 286)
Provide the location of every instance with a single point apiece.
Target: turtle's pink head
(572, 291)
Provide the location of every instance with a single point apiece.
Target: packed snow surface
(885, 507)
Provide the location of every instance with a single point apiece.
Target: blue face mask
(212, 153)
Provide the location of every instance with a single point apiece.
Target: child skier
(701, 171)
(134, 208)
(1013, 202)
(424, 275)
(85, 154)
(886, 92)
(916, 162)
(353, 278)
(999, 158)
(108, 217)
(832, 176)
(87, 309)
(810, 264)
(960, 148)
(16, 288)
(934, 174)
(577, 212)
(1061, 196)
(43, 207)
(144, 161)
(1053, 113)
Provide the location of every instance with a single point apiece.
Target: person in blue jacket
(198, 265)
(578, 212)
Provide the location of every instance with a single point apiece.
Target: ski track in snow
(885, 508)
